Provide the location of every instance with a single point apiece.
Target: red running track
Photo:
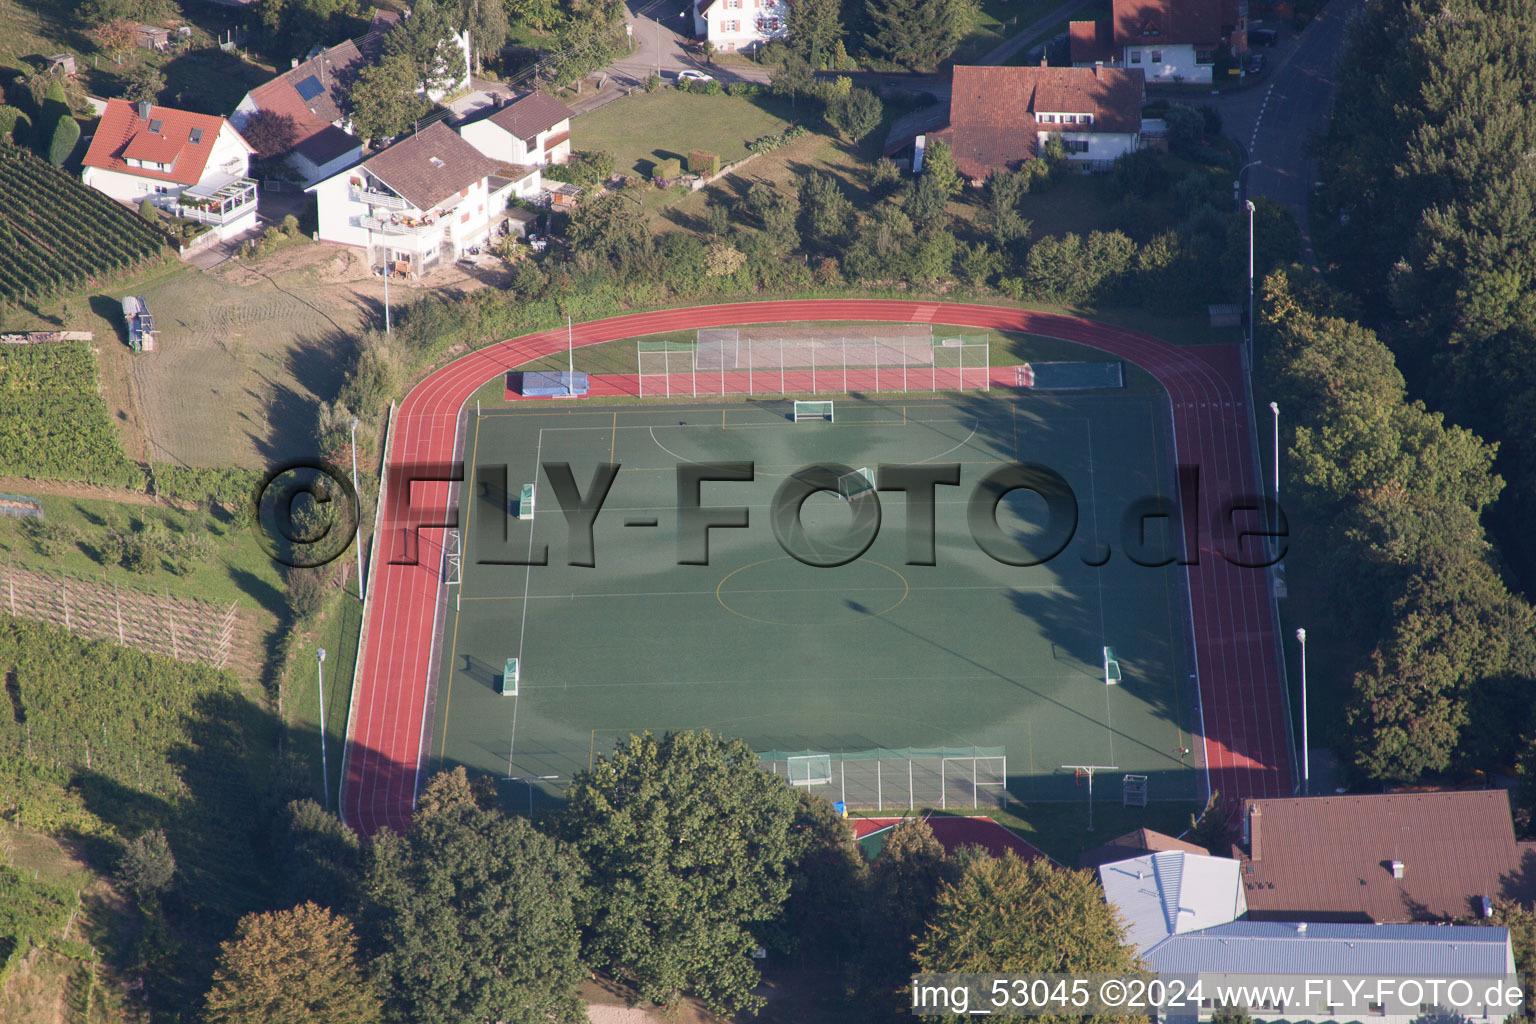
(1242, 695)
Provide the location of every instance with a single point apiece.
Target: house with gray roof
(1184, 914)
(533, 130)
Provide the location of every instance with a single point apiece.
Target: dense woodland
(1427, 221)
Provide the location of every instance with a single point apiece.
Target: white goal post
(814, 411)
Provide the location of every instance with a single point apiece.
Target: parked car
(1263, 37)
(1254, 64)
(694, 76)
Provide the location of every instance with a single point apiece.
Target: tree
(689, 845)
(856, 114)
(603, 228)
(427, 42)
(539, 15)
(918, 34)
(1056, 922)
(115, 37)
(926, 201)
(384, 100)
(146, 867)
(826, 214)
(145, 83)
(904, 881)
(66, 134)
(270, 133)
(722, 260)
(795, 77)
(1454, 631)
(1004, 190)
(293, 27)
(815, 30)
(486, 21)
(1212, 829)
(1227, 1013)
(487, 901)
(939, 164)
(317, 856)
(294, 966)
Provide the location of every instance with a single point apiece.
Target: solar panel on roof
(310, 88)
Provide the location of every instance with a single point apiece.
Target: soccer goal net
(904, 779)
(855, 484)
(814, 411)
(809, 769)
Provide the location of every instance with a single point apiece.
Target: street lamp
(358, 500)
(325, 769)
(1301, 635)
(1237, 183)
(1249, 203)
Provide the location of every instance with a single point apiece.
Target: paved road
(1276, 122)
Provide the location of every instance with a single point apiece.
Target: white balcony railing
(220, 205)
(398, 226)
(381, 199)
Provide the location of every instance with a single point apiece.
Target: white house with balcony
(190, 165)
(737, 26)
(415, 206)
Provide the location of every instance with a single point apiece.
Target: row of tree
(1385, 502)
(914, 35)
(675, 861)
(1429, 211)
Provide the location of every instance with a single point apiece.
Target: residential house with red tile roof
(418, 204)
(1168, 40)
(740, 26)
(1382, 858)
(193, 165)
(1000, 117)
(314, 94)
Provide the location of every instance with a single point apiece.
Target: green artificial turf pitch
(877, 653)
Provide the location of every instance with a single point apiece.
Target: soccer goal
(814, 411)
(810, 769)
(855, 484)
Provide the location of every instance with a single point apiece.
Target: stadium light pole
(570, 356)
(325, 768)
(358, 500)
(1249, 203)
(1275, 408)
(1301, 636)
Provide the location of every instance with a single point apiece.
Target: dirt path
(89, 492)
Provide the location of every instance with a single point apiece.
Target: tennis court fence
(898, 779)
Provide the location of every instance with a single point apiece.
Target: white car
(694, 76)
